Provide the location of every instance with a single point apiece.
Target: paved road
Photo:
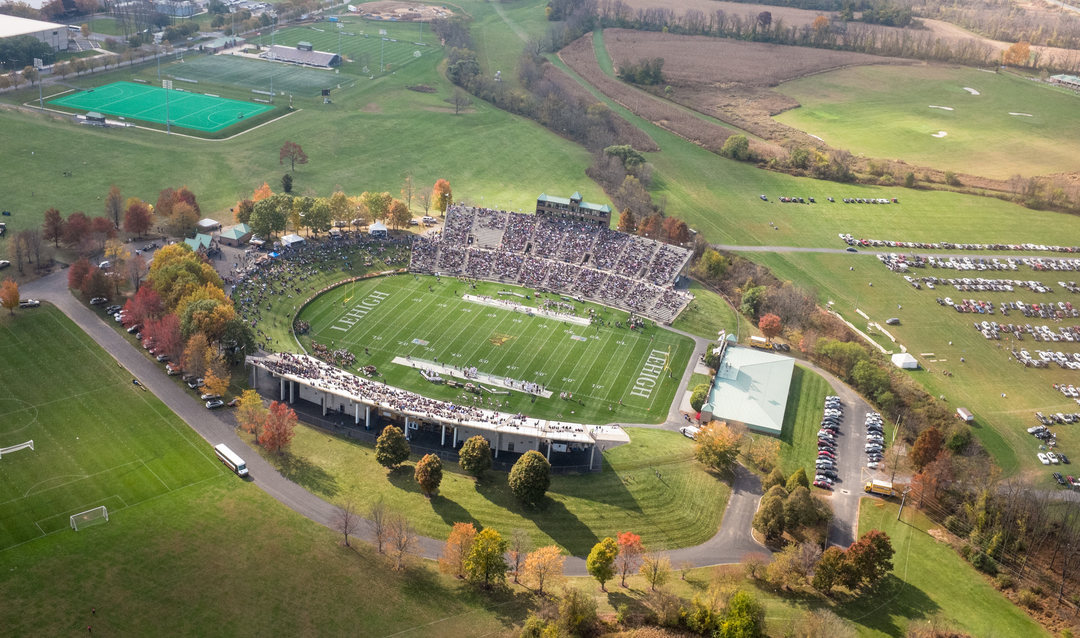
(730, 543)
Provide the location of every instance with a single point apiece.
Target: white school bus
(231, 460)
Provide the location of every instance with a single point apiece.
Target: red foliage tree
(186, 196)
(926, 447)
(868, 559)
(137, 218)
(630, 553)
(96, 283)
(78, 272)
(145, 306)
(103, 230)
(770, 325)
(277, 432)
(53, 227)
(676, 230)
(165, 202)
(166, 334)
(76, 230)
(292, 152)
(650, 227)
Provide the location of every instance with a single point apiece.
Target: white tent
(290, 241)
(208, 224)
(905, 361)
(378, 229)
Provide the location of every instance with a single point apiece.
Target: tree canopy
(391, 448)
(530, 477)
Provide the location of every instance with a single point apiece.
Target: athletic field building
(199, 242)
(304, 54)
(750, 387)
(573, 208)
(344, 400)
(222, 43)
(52, 34)
(236, 236)
(1067, 81)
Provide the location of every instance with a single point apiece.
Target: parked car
(1053, 458)
(1059, 478)
(162, 358)
(1061, 457)
(209, 396)
(97, 301)
(823, 485)
(29, 303)
(215, 403)
(195, 383)
(1043, 459)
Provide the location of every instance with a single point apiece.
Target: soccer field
(599, 366)
(365, 48)
(98, 438)
(148, 103)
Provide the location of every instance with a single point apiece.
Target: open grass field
(708, 314)
(927, 329)
(885, 112)
(222, 70)
(682, 508)
(225, 559)
(155, 104)
(98, 439)
(798, 436)
(365, 49)
(598, 366)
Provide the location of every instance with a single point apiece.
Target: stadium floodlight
(89, 517)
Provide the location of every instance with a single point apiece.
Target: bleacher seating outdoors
(539, 251)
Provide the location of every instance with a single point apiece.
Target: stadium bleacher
(545, 252)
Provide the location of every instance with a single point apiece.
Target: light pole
(167, 85)
(37, 68)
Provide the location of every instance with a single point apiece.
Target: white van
(231, 460)
(429, 220)
(690, 431)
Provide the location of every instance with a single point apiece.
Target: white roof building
(905, 361)
(289, 241)
(51, 33)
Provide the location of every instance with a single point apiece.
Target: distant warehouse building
(52, 34)
(304, 54)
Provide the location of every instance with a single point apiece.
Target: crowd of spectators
(519, 228)
(665, 265)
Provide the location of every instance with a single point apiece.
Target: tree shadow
(891, 599)
(562, 525)
(451, 512)
(401, 477)
(306, 474)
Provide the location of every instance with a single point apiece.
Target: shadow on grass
(402, 477)
(308, 475)
(563, 526)
(451, 512)
(891, 600)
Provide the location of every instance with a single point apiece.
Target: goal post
(89, 517)
(16, 448)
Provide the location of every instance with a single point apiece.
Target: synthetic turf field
(256, 74)
(599, 369)
(366, 48)
(148, 103)
(98, 439)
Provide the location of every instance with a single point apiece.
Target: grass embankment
(798, 437)
(886, 112)
(708, 314)
(225, 559)
(681, 508)
(428, 320)
(99, 440)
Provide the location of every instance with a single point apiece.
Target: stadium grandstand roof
(296, 56)
(576, 198)
(751, 387)
(11, 26)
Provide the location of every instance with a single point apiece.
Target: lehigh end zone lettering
(359, 310)
(646, 381)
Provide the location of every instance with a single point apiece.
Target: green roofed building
(238, 235)
(750, 387)
(200, 242)
(573, 208)
(1069, 81)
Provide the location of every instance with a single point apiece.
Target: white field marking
(940, 134)
(1024, 114)
(943, 108)
(971, 90)
(815, 137)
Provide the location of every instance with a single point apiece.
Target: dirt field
(791, 17)
(694, 59)
(581, 57)
(403, 11)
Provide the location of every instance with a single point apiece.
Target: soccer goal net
(16, 448)
(89, 517)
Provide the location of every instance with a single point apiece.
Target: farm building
(1068, 81)
(573, 208)
(751, 387)
(52, 34)
(905, 361)
(304, 54)
(238, 235)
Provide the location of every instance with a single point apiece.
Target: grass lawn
(98, 439)
(885, 112)
(798, 436)
(927, 329)
(708, 314)
(597, 365)
(225, 559)
(681, 509)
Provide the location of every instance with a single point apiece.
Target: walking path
(730, 543)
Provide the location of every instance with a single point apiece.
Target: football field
(151, 104)
(99, 440)
(601, 367)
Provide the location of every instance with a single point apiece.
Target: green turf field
(682, 507)
(597, 365)
(885, 112)
(151, 104)
(98, 439)
(365, 49)
(256, 74)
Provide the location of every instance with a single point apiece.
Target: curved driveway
(731, 542)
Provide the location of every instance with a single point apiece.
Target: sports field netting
(147, 103)
(255, 74)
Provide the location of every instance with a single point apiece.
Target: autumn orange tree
(441, 195)
(399, 214)
(428, 474)
(137, 217)
(251, 413)
(292, 152)
(717, 446)
(543, 567)
(926, 448)
(1017, 54)
(457, 548)
(278, 428)
(53, 227)
(627, 223)
(9, 295)
(262, 192)
(770, 325)
(630, 552)
(114, 205)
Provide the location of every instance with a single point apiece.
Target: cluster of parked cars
(875, 440)
(945, 245)
(1067, 390)
(825, 465)
(1070, 361)
(861, 200)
